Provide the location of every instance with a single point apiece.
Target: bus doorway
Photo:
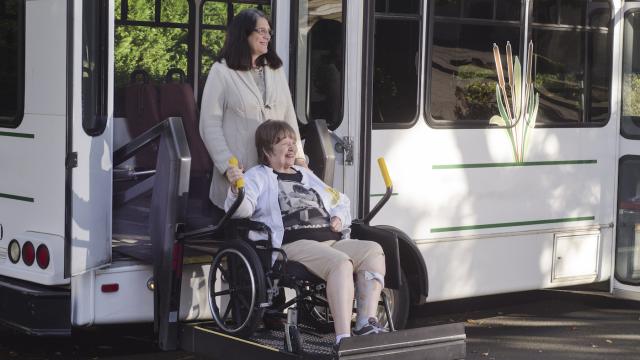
(626, 280)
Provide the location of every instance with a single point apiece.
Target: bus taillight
(28, 253)
(14, 251)
(42, 256)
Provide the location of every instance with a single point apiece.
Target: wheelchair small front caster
(292, 337)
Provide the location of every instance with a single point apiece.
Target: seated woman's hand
(336, 224)
(234, 174)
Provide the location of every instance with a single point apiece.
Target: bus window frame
(524, 23)
(622, 116)
(12, 122)
(419, 17)
(293, 64)
(189, 26)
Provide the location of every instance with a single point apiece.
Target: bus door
(319, 63)
(89, 148)
(626, 279)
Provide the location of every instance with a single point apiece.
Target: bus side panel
(465, 195)
(32, 156)
(509, 263)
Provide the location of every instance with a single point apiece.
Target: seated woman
(309, 221)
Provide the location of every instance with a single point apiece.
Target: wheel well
(412, 263)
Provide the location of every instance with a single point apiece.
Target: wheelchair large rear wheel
(236, 289)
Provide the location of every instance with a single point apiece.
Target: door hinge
(72, 160)
(344, 145)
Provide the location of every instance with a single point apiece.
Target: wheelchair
(247, 275)
(243, 284)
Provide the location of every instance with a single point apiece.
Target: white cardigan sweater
(232, 109)
(261, 200)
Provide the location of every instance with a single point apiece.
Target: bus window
(396, 63)
(94, 67)
(152, 38)
(630, 121)
(319, 77)
(462, 69)
(572, 80)
(214, 17)
(571, 62)
(11, 62)
(628, 229)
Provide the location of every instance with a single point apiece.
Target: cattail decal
(517, 112)
(501, 83)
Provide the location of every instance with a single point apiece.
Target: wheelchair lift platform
(439, 342)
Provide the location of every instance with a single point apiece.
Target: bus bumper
(35, 309)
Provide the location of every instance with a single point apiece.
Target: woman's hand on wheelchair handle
(336, 224)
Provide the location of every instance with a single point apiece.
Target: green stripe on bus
(380, 195)
(18, 135)
(509, 224)
(16, 197)
(512, 164)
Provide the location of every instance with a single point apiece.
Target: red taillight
(109, 288)
(28, 253)
(42, 256)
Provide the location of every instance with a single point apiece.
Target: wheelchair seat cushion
(298, 271)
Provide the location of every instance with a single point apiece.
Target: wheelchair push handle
(387, 195)
(233, 162)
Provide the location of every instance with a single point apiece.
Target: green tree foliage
(157, 49)
(631, 95)
(153, 49)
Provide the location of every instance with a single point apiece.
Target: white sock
(361, 321)
(340, 336)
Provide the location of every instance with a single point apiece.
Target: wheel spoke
(226, 312)
(244, 301)
(223, 292)
(237, 313)
(224, 273)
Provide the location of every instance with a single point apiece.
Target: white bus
(411, 80)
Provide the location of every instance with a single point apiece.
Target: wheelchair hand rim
(212, 271)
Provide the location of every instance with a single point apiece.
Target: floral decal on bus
(518, 111)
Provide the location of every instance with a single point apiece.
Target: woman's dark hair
(236, 51)
(270, 133)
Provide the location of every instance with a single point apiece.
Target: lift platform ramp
(439, 342)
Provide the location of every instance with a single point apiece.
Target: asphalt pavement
(559, 325)
(547, 324)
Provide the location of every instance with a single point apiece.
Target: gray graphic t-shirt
(303, 213)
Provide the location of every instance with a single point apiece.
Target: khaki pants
(322, 257)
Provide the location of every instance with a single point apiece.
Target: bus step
(440, 342)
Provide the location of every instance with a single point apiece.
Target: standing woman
(245, 87)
